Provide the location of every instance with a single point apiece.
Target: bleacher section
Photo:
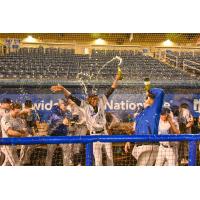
(189, 61)
(64, 64)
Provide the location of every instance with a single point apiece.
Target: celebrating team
(89, 117)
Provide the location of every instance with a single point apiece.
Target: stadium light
(168, 43)
(100, 41)
(30, 39)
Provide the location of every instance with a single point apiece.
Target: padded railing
(192, 139)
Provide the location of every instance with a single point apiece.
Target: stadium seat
(59, 63)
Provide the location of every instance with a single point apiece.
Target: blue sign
(120, 104)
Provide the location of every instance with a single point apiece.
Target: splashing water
(113, 59)
(84, 77)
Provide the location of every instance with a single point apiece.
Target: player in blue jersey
(147, 123)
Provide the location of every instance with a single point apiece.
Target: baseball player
(94, 108)
(175, 113)
(31, 118)
(78, 128)
(167, 150)
(147, 123)
(58, 126)
(186, 122)
(4, 108)
(12, 126)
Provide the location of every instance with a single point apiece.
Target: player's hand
(190, 123)
(66, 121)
(117, 77)
(24, 133)
(169, 118)
(127, 147)
(57, 88)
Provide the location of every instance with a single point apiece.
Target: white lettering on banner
(196, 105)
(116, 106)
(37, 106)
(132, 106)
(123, 105)
(127, 105)
(44, 106)
(48, 106)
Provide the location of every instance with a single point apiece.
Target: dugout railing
(192, 140)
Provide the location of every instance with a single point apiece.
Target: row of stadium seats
(184, 53)
(47, 51)
(179, 58)
(36, 63)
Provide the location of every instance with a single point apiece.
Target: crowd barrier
(192, 140)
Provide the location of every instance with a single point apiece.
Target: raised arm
(67, 93)
(173, 128)
(75, 100)
(60, 88)
(113, 86)
(191, 122)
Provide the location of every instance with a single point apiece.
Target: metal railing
(187, 66)
(192, 139)
(172, 58)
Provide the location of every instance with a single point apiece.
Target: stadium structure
(31, 63)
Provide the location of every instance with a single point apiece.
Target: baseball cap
(184, 105)
(92, 95)
(28, 103)
(165, 111)
(151, 95)
(6, 100)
